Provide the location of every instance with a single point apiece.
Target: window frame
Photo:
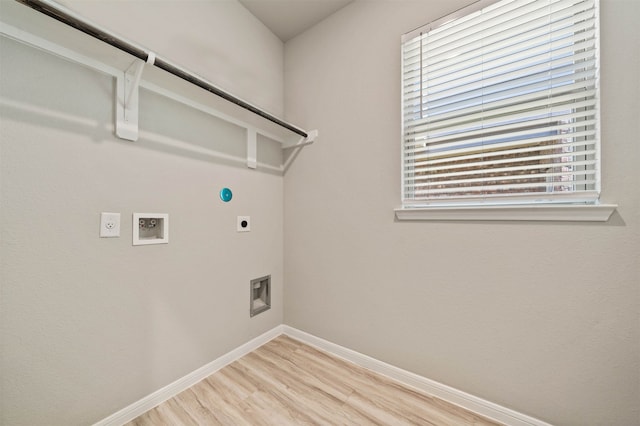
(508, 208)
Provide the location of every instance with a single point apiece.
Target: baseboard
(472, 403)
(156, 398)
(444, 392)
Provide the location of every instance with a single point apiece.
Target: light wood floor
(286, 382)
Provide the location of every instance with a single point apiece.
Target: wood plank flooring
(286, 382)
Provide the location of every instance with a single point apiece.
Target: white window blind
(500, 106)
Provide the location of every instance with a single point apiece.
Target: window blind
(500, 105)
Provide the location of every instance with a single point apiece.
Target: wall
(91, 325)
(538, 317)
(217, 39)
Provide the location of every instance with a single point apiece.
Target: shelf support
(252, 148)
(128, 85)
(308, 140)
(311, 138)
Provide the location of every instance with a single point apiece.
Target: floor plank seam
(287, 382)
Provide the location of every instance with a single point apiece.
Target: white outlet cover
(109, 225)
(244, 224)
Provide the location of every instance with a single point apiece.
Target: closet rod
(55, 11)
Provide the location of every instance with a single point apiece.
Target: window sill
(573, 213)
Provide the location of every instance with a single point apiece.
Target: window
(500, 106)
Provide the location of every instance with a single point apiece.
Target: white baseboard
(156, 398)
(444, 392)
(462, 399)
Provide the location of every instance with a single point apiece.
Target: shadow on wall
(198, 136)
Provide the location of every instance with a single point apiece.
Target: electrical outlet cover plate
(109, 225)
(244, 224)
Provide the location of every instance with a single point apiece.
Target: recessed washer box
(150, 228)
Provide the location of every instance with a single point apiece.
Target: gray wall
(91, 325)
(217, 39)
(539, 317)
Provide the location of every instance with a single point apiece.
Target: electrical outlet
(244, 224)
(109, 225)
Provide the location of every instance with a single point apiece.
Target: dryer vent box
(260, 291)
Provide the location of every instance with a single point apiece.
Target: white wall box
(150, 228)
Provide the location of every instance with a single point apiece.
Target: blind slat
(518, 138)
(527, 15)
(522, 38)
(557, 95)
(547, 157)
(519, 187)
(427, 160)
(503, 114)
(515, 137)
(538, 115)
(511, 44)
(416, 178)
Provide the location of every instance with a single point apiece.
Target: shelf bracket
(311, 138)
(252, 148)
(128, 85)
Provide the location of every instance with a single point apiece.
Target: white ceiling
(288, 18)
